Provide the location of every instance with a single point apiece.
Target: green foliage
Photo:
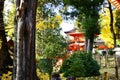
(51, 43)
(85, 5)
(91, 26)
(117, 24)
(45, 65)
(117, 19)
(46, 7)
(89, 15)
(80, 65)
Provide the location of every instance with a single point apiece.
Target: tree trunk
(86, 43)
(114, 36)
(111, 24)
(89, 44)
(5, 59)
(24, 55)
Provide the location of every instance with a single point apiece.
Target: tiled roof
(115, 3)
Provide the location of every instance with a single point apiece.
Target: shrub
(80, 65)
(45, 65)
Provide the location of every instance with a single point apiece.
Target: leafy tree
(50, 22)
(113, 20)
(45, 8)
(52, 46)
(49, 42)
(89, 17)
(24, 67)
(106, 34)
(80, 65)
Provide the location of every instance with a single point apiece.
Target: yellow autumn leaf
(106, 35)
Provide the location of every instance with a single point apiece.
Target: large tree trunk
(24, 56)
(5, 59)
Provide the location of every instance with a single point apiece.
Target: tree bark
(24, 52)
(114, 37)
(89, 44)
(5, 59)
(111, 24)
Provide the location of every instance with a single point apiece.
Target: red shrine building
(77, 41)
